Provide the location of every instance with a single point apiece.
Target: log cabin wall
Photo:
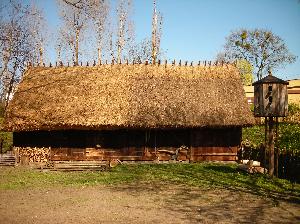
(215, 144)
(135, 144)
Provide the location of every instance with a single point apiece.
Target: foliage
(288, 136)
(293, 108)
(293, 113)
(262, 48)
(254, 136)
(202, 175)
(246, 72)
(2, 109)
(7, 138)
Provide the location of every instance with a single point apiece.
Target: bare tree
(262, 48)
(98, 11)
(84, 17)
(75, 22)
(113, 39)
(20, 42)
(38, 32)
(156, 32)
(143, 51)
(125, 32)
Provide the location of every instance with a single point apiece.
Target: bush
(288, 136)
(7, 138)
(294, 113)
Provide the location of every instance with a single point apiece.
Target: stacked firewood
(34, 154)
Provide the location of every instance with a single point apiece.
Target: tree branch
(74, 4)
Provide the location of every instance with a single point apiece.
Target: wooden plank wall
(278, 106)
(142, 145)
(215, 144)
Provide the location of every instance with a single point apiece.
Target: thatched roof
(128, 96)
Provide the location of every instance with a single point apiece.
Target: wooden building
(130, 112)
(270, 97)
(293, 89)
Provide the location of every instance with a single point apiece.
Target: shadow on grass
(221, 168)
(207, 205)
(212, 176)
(257, 184)
(214, 193)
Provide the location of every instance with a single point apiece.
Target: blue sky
(196, 29)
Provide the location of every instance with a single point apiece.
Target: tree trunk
(154, 41)
(99, 55)
(41, 51)
(76, 47)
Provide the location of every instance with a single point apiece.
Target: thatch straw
(128, 96)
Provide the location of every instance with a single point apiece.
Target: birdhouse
(270, 97)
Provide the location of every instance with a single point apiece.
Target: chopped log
(114, 162)
(251, 169)
(34, 154)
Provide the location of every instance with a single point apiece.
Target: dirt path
(141, 204)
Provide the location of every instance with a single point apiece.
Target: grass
(201, 175)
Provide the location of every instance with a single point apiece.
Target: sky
(195, 30)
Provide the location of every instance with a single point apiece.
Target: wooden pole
(266, 144)
(191, 153)
(155, 148)
(271, 146)
(277, 148)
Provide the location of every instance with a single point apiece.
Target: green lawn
(200, 175)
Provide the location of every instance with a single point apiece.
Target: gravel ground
(141, 203)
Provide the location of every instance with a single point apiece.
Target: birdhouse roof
(270, 79)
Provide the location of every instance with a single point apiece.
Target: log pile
(34, 154)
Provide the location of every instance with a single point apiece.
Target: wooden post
(277, 148)
(191, 152)
(155, 148)
(271, 146)
(266, 144)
